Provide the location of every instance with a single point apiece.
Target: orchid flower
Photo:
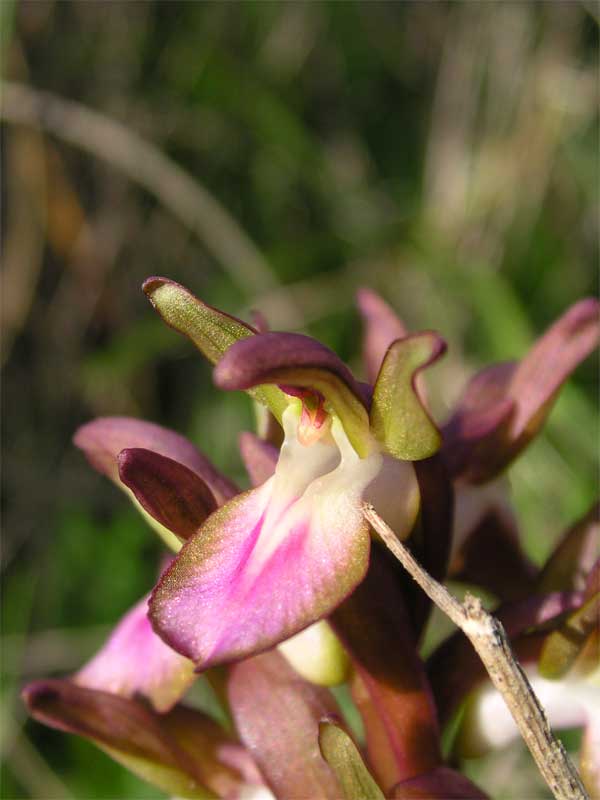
(279, 557)
(290, 563)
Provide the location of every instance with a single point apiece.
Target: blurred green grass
(444, 154)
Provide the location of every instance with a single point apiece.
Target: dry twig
(490, 641)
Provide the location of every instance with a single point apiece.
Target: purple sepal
(104, 438)
(389, 685)
(478, 427)
(441, 783)
(505, 406)
(509, 574)
(277, 714)
(170, 492)
(183, 752)
(275, 358)
(134, 661)
(295, 360)
(259, 457)
(431, 538)
(381, 328)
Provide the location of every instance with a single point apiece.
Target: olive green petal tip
(340, 752)
(399, 417)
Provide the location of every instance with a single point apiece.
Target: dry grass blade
(144, 163)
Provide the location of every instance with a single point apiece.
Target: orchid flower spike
(279, 557)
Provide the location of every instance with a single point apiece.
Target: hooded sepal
(299, 362)
(342, 755)
(212, 331)
(134, 661)
(398, 416)
(277, 715)
(505, 405)
(179, 752)
(381, 328)
(174, 495)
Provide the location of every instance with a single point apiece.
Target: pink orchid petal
(104, 438)
(277, 714)
(244, 582)
(382, 327)
(274, 559)
(171, 493)
(135, 661)
(259, 457)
